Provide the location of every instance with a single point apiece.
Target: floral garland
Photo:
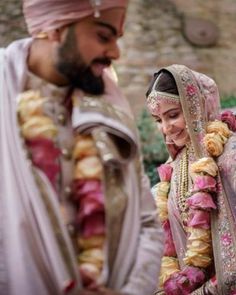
(88, 197)
(40, 136)
(199, 204)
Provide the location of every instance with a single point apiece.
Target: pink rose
(165, 172)
(90, 204)
(184, 282)
(171, 288)
(195, 275)
(229, 118)
(45, 156)
(169, 246)
(81, 188)
(178, 284)
(201, 200)
(205, 182)
(92, 225)
(199, 218)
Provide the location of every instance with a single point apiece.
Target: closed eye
(173, 115)
(104, 38)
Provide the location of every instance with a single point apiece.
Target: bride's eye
(174, 115)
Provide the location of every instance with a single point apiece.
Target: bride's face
(171, 123)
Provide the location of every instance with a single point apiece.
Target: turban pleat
(45, 15)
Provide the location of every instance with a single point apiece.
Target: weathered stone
(154, 38)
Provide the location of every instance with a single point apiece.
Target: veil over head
(44, 15)
(200, 101)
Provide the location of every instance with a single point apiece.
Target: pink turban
(45, 15)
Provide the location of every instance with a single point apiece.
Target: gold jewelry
(183, 184)
(154, 98)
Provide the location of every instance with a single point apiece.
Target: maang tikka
(95, 5)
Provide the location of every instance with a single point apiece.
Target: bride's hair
(165, 83)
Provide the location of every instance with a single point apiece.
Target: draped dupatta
(33, 234)
(200, 103)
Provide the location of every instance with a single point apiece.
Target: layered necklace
(194, 206)
(182, 185)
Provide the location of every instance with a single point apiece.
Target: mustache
(103, 61)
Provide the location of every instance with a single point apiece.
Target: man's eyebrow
(108, 26)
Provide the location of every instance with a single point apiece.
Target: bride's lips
(176, 136)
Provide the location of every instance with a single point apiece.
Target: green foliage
(228, 101)
(153, 146)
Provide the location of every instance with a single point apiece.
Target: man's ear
(55, 35)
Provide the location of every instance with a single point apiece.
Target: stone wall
(155, 37)
(12, 25)
(198, 33)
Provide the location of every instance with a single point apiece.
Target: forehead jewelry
(154, 98)
(95, 5)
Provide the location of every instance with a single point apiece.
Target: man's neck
(40, 62)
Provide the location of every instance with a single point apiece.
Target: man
(58, 140)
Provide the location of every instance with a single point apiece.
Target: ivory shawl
(31, 258)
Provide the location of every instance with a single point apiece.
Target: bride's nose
(166, 127)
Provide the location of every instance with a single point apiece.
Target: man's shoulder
(20, 44)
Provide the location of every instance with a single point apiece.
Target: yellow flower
(31, 104)
(161, 204)
(90, 269)
(196, 259)
(204, 165)
(162, 188)
(163, 215)
(199, 234)
(169, 265)
(29, 95)
(94, 256)
(200, 247)
(84, 147)
(214, 144)
(88, 168)
(39, 126)
(218, 127)
(96, 241)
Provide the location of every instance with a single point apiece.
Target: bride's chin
(181, 142)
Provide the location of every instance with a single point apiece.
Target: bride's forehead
(163, 106)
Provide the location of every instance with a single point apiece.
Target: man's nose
(113, 51)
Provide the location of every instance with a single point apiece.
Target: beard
(71, 65)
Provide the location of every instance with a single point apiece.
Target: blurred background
(198, 33)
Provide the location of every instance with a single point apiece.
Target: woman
(196, 198)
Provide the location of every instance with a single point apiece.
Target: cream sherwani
(32, 261)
